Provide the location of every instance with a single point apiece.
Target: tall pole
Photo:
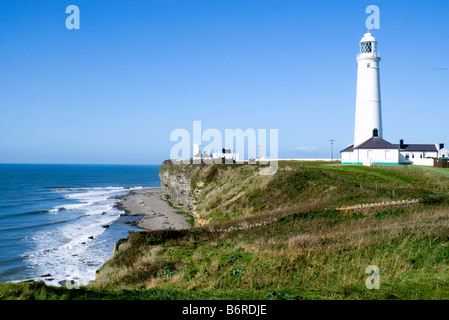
(332, 150)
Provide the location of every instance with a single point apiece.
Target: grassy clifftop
(224, 192)
(280, 237)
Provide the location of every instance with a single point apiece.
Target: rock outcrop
(176, 185)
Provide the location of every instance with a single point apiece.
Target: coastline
(154, 213)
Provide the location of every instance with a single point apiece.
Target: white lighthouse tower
(368, 113)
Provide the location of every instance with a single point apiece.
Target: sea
(59, 224)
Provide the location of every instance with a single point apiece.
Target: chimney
(441, 146)
(375, 132)
(401, 144)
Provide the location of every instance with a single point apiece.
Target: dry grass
(265, 216)
(314, 257)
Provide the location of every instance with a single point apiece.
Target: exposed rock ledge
(176, 185)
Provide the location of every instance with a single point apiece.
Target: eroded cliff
(176, 184)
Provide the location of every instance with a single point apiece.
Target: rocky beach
(155, 213)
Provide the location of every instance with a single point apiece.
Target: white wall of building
(423, 162)
(389, 156)
(443, 153)
(196, 148)
(379, 156)
(346, 157)
(424, 158)
(371, 156)
(231, 156)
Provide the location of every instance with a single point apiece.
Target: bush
(433, 199)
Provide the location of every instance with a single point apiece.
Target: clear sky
(113, 91)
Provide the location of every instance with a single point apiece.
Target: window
(368, 65)
(407, 156)
(366, 47)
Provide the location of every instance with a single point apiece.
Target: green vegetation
(281, 237)
(240, 191)
(189, 217)
(297, 256)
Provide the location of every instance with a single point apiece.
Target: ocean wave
(74, 243)
(18, 214)
(95, 200)
(34, 226)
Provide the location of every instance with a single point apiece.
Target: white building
(227, 154)
(420, 154)
(196, 149)
(197, 153)
(369, 147)
(443, 153)
(203, 155)
(375, 150)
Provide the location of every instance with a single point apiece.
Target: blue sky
(114, 90)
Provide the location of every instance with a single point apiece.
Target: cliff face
(176, 185)
(217, 190)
